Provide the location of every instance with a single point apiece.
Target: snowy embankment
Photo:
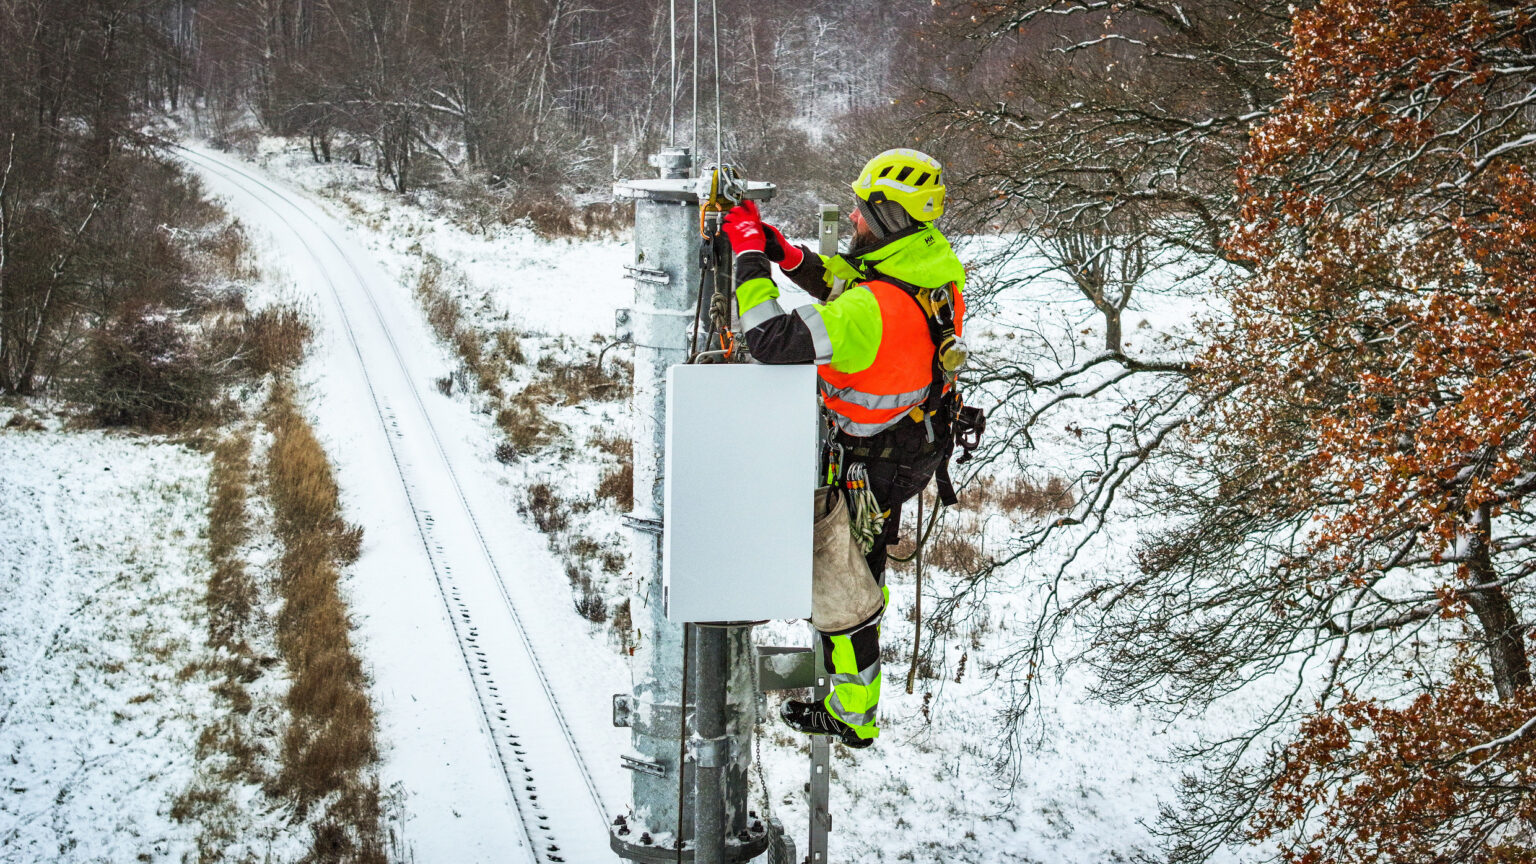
(930, 789)
(104, 671)
(480, 669)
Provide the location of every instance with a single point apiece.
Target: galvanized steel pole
(677, 783)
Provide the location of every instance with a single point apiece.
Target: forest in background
(1338, 458)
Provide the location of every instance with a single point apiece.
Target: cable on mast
(714, 15)
(693, 140)
(672, 74)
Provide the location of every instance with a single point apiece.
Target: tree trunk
(1503, 634)
(1111, 328)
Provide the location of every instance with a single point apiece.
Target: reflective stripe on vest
(874, 399)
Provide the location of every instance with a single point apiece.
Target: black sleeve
(782, 339)
(809, 275)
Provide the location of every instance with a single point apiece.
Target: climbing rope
(923, 534)
(917, 608)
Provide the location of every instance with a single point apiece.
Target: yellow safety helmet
(908, 177)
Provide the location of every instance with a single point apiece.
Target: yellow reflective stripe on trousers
(863, 678)
(861, 721)
(855, 692)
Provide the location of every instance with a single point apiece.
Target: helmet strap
(871, 219)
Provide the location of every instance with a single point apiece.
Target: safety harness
(943, 413)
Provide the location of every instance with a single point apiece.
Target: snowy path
(492, 698)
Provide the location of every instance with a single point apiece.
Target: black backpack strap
(958, 423)
(941, 329)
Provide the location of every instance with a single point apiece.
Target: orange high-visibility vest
(874, 399)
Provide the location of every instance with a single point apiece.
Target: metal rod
(714, 15)
(821, 746)
(821, 770)
(672, 74)
(709, 725)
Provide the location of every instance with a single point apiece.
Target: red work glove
(743, 228)
(779, 250)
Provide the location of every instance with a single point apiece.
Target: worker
(874, 348)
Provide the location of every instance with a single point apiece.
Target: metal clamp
(710, 752)
(647, 274)
(643, 523)
(644, 766)
(623, 710)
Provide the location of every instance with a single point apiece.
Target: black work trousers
(895, 483)
(900, 464)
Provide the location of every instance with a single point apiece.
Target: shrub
(524, 423)
(548, 510)
(148, 373)
(1020, 495)
(276, 338)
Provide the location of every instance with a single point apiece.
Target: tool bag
(843, 591)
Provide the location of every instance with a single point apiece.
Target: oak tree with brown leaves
(1358, 517)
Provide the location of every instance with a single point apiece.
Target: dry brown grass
(1019, 496)
(230, 754)
(228, 252)
(623, 625)
(618, 485)
(447, 322)
(954, 549)
(330, 740)
(442, 312)
(509, 346)
(276, 339)
(618, 482)
(955, 543)
(550, 512)
(569, 383)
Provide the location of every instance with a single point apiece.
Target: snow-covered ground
(103, 682)
(931, 788)
(482, 671)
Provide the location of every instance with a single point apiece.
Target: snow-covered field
(103, 691)
(456, 591)
(931, 788)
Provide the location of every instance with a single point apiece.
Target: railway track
(527, 734)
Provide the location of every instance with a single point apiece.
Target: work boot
(813, 718)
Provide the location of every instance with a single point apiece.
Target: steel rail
(460, 619)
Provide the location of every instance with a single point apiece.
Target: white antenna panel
(740, 473)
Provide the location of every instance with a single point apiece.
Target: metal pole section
(667, 786)
(713, 747)
(666, 277)
(821, 745)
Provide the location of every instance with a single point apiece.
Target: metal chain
(762, 779)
